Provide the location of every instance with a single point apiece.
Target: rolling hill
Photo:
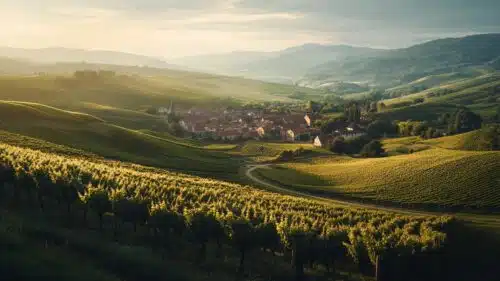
(67, 55)
(481, 94)
(135, 87)
(400, 66)
(93, 135)
(430, 177)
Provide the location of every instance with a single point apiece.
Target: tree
(133, 210)
(338, 145)
(97, 200)
(465, 121)
(355, 145)
(372, 149)
(419, 129)
(268, 237)
(295, 238)
(381, 106)
(357, 251)
(7, 178)
(46, 188)
(496, 118)
(379, 128)
(333, 249)
(352, 112)
(69, 192)
(418, 100)
(164, 224)
(24, 184)
(202, 228)
(298, 243)
(242, 236)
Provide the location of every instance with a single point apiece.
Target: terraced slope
(93, 135)
(433, 177)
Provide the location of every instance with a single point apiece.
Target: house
(308, 120)
(323, 141)
(197, 128)
(184, 125)
(287, 135)
(252, 135)
(353, 131)
(317, 142)
(302, 133)
(296, 121)
(261, 131)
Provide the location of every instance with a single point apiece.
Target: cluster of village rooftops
(246, 124)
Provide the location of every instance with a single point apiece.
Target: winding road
(273, 187)
(489, 221)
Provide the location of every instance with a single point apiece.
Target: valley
(369, 163)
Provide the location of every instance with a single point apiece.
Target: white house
(317, 142)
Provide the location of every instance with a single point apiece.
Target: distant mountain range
(312, 65)
(66, 55)
(401, 66)
(281, 66)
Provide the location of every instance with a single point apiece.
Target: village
(238, 124)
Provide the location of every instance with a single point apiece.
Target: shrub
(418, 100)
(338, 145)
(380, 127)
(354, 146)
(372, 149)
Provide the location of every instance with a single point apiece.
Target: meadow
(260, 151)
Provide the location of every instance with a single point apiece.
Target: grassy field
(138, 93)
(480, 94)
(475, 141)
(268, 151)
(93, 135)
(434, 177)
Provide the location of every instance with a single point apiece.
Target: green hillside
(480, 94)
(140, 88)
(402, 66)
(487, 138)
(432, 177)
(93, 135)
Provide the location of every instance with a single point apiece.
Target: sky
(176, 28)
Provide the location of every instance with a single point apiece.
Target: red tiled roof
(300, 131)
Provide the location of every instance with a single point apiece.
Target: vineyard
(430, 178)
(309, 233)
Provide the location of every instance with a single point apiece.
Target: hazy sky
(172, 28)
